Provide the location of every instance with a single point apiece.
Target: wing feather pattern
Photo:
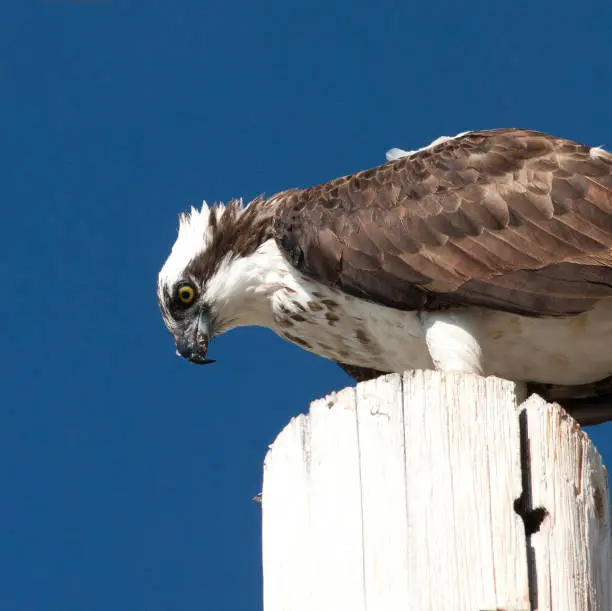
(509, 219)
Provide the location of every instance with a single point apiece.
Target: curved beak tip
(192, 343)
(196, 359)
(194, 352)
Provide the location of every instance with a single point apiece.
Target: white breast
(350, 330)
(571, 350)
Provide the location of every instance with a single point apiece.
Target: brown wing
(509, 219)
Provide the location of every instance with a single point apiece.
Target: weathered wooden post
(429, 491)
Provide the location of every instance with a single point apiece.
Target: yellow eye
(186, 294)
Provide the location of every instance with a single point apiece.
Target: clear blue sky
(126, 473)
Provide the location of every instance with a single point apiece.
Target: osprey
(489, 252)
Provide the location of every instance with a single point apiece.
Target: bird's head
(209, 283)
(181, 285)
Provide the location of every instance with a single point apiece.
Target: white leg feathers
(451, 342)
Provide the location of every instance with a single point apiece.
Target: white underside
(571, 350)
(263, 289)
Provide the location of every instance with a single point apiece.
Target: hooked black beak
(192, 344)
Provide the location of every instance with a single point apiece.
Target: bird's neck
(242, 289)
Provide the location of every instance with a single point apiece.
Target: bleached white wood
(398, 495)
(384, 509)
(573, 548)
(312, 528)
(463, 459)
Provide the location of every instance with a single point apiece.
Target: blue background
(126, 474)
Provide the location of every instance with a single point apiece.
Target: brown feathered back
(509, 219)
